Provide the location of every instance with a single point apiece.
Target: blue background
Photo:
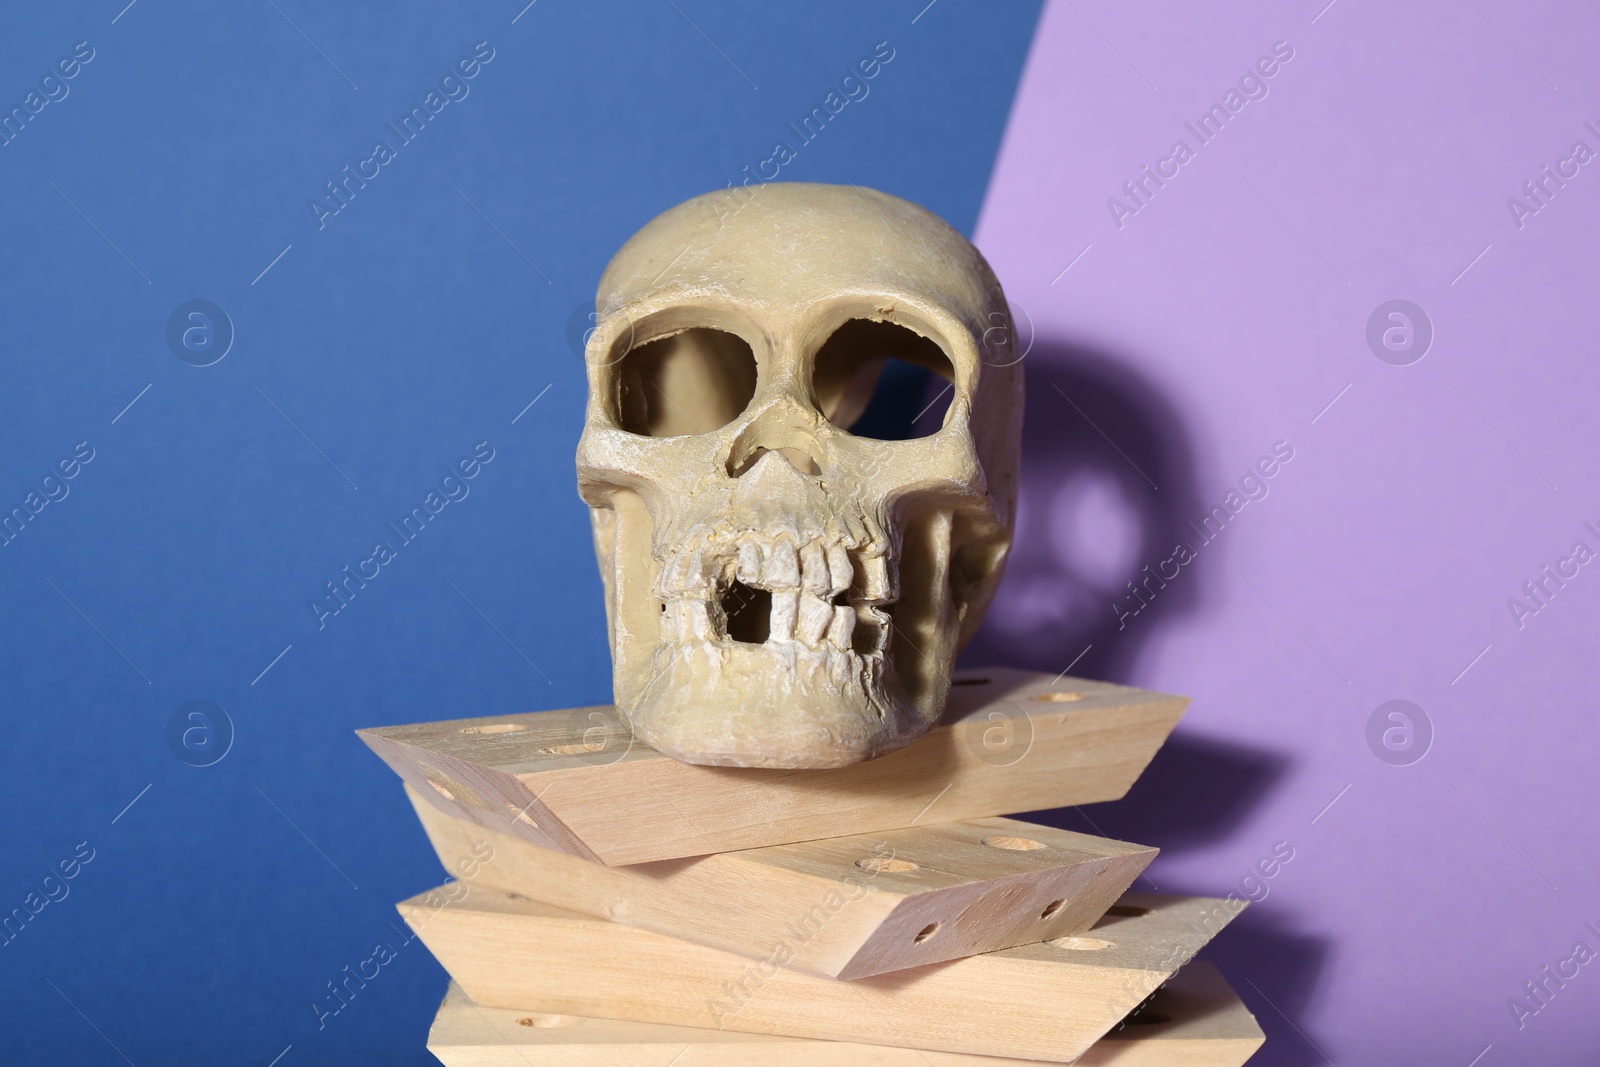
(374, 353)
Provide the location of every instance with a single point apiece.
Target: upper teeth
(749, 563)
(814, 571)
(803, 581)
(877, 583)
(781, 567)
(839, 569)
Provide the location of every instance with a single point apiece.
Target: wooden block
(576, 781)
(1048, 1001)
(1194, 1020)
(848, 906)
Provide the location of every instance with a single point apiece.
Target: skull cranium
(780, 591)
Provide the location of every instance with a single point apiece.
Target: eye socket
(691, 382)
(882, 381)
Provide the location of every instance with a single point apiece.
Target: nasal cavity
(801, 460)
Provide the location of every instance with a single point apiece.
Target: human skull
(781, 592)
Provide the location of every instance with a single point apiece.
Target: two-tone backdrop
(1311, 437)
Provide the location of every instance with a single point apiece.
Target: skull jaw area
(775, 705)
(732, 648)
(765, 656)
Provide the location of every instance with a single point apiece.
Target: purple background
(1227, 314)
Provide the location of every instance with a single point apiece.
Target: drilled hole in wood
(1081, 944)
(1014, 844)
(1057, 698)
(1051, 908)
(544, 1021)
(521, 815)
(927, 932)
(1126, 911)
(451, 789)
(884, 864)
(495, 728)
(572, 750)
(969, 681)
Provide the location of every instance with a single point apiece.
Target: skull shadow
(1108, 488)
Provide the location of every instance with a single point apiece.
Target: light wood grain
(849, 906)
(576, 781)
(1194, 1020)
(1048, 1001)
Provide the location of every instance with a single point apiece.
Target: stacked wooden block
(610, 905)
